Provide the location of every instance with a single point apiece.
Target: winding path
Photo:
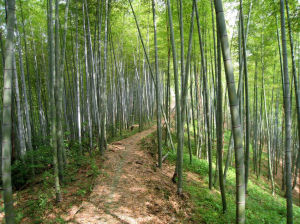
(130, 189)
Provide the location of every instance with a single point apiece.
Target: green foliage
(47, 178)
(198, 166)
(81, 192)
(94, 171)
(60, 220)
(19, 216)
(22, 170)
(78, 159)
(128, 132)
(125, 134)
(36, 207)
(261, 206)
(39, 197)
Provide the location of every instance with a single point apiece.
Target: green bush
(36, 161)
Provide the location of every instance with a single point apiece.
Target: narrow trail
(131, 190)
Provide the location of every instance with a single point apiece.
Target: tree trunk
(78, 87)
(234, 109)
(288, 125)
(158, 101)
(103, 94)
(219, 125)
(53, 106)
(185, 80)
(27, 109)
(247, 143)
(297, 92)
(203, 62)
(7, 116)
(176, 83)
(88, 86)
(58, 95)
(30, 108)
(19, 112)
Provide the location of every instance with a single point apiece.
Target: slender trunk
(2, 52)
(185, 76)
(203, 62)
(91, 64)
(188, 132)
(30, 108)
(104, 95)
(219, 125)
(255, 121)
(158, 101)
(58, 96)
(19, 112)
(297, 92)
(176, 83)
(185, 80)
(168, 92)
(7, 116)
(288, 125)
(27, 113)
(261, 140)
(247, 143)
(78, 87)
(269, 136)
(235, 119)
(88, 86)
(40, 110)
(168, 130)
(60, 81)
(53, 106)
(193, 110)
(27, 109)
(228, 157)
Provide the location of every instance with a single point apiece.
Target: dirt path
(131, 190)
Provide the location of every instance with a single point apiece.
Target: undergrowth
(35, 194)
(261, 206)
(37, 201)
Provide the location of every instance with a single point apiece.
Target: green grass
(40, 199)
(261, 206)
(127, 133)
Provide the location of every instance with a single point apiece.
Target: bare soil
(131, 189)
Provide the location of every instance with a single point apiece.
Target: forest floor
(296, 190)
(126, 187)
(122, 187)
(130, 189)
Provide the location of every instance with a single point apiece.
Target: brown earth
(296, 190)
(131, 190)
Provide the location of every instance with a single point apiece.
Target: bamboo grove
(78, 72)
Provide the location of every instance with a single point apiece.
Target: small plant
(43, 201)
(19, 216)
(22, 170)
(48, 178)
(81, 192)
(2, 207)
(94, 171)
(60, 220)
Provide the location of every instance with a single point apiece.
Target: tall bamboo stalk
(235, 119)
(288, 121)
(158, 101)
(6, 115)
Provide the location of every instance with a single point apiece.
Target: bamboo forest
(150, 111)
